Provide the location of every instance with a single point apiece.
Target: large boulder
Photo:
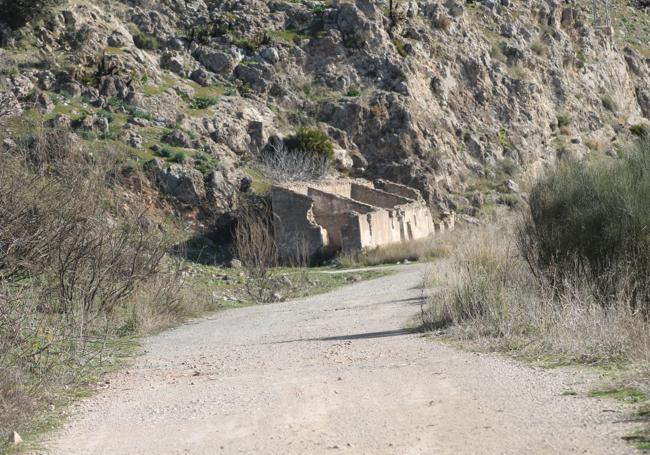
(178, 138)
(180, 182)
(173, 62)
(219, 62)
(256, 75)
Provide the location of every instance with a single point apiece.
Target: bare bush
(72, 257)
(256, 248)
(56, 223)
(282, 165)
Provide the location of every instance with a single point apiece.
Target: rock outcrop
(445, 96)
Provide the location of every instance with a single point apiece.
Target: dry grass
(488, 296)
(432, 247)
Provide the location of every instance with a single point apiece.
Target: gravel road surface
(335, 373)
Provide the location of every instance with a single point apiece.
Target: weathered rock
(355, 278)
(22, 86)
(9, 105)
(67, 84)
(271, 55)
(44, 102)
(245, 184)
(460, 101)
(107, 87)
(178, 138)
(102, 124)
(117, 39)
(201, 77)
(222, 63)
(258, 135)
(176, 44)
(172, 62)
(455, 8)
(61, 121)
(9, 144)
(180, 182)
(512, 186)
(133, 139)
(342, 159)
(257, 76)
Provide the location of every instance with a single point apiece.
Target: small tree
(255, 247)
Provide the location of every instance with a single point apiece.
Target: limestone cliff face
(453, 98)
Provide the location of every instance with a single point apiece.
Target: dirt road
(335, 373)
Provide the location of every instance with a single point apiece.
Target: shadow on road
(356, 336)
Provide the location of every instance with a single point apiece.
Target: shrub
(593, 217)
(353, 93)
(311, 141)
(413, 250)
(77, 38)
(503, 138)
(146, 42)
(563, 119)
(595, 145)
(539, 48)
(17, 13)
(640, 130)
(179, 157)
(252, 44)
(164, 153)
(609, 102)
(507, 167)
(120, 105)
(204, 162)
(203, 102)
(400, 47)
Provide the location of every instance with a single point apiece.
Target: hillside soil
(337, 372)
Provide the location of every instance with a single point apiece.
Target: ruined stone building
(312, 218)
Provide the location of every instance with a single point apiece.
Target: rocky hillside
(455, 98)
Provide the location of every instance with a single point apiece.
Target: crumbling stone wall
(348, 215)
(297, 235)
(332, 211)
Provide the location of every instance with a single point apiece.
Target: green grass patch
(261, 185)
(168, 81)
(625, 394)
(286, 36)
